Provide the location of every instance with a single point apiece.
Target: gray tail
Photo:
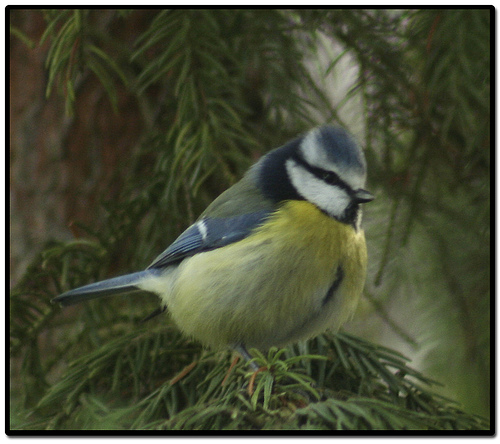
(117, 285)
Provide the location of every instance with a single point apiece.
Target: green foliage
(125, 385)
(457, 78)
(215, 87)
(355, 388)
(72, 50)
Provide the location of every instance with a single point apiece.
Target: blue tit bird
(277, 258)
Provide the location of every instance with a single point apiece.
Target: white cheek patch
(329, 198)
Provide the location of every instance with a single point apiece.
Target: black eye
(329, 177)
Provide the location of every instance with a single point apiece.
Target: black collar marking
(334, 287)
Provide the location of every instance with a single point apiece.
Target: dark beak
(363, 196)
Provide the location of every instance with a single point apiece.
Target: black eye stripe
(326, 176)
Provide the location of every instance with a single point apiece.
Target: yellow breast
(271, 287)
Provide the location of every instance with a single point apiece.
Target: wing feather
(208, 234)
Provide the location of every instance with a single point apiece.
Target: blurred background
(125, 124)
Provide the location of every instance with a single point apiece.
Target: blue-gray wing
(208, 234)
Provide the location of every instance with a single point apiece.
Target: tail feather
(117, 285)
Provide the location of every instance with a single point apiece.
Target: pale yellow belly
(269, 289)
